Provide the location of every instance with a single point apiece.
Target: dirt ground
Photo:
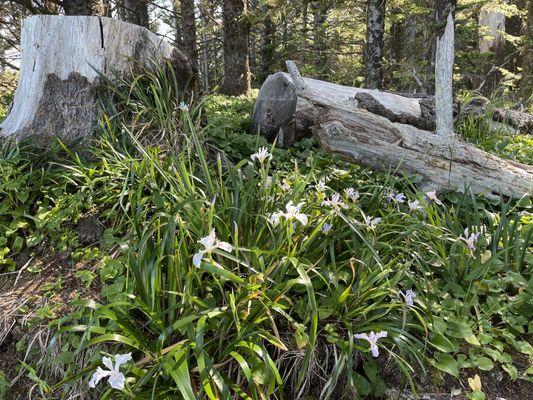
(496, 385)
(46, 280)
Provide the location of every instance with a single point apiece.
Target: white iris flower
(292, 212)
(210, 243)
(116, 379)
(372, 338)
(261, 155)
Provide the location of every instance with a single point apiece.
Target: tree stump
(65, 60)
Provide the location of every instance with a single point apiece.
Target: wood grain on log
(60, 81)
(438, 161)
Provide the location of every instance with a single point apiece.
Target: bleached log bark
(62, 57)
(279, 108)
(346, 121)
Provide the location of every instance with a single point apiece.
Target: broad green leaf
(472, 339)
(459, 329)
(441, 343)
(484, 363)
(446, 363)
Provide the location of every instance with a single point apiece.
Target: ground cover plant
(229, 268)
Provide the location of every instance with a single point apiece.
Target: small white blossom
(390, 195)
(268, 182)
(183, 106)
(335, 203)
(372, 338)
(320, 186)
(372, 222)
(116, 379)
(210, 243)
(326, 227)
(415, 205)
(409, 297)
(396, 197)
(432, 195)
(261, 155)
(400, 198)
(352, 194)
(285, 186)
(471, 238)
(292, 212)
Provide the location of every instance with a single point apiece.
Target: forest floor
(71, 248)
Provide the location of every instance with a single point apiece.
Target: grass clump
(231, 271)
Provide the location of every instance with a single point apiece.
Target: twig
(22, 269)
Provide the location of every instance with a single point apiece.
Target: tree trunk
(108, 8)
(444, 60)
(204, 48)
(383, 131)
(83, 7)
(237, 78)
(405, 65)
(188, 15)
(375, 28)
(491, 30)
(134, 11)
(526, 84)
(266, 44)
(303, 50)
(320, 56)
(60, 83)
(178, 37)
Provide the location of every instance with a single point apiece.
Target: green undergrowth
(503, 141)
(276, 307)
(8, 83)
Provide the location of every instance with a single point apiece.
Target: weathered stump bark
(60, 81)
(384, 131)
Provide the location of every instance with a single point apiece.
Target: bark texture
(83, 7)
(438, 162)
(491, 30)
(58, 96)
(303, 49)
(205, 53)
(382, 130)
(320, 10)
(134, 11)
(491, 25)
(237, 78)
(375, 28)
(188, 15)
(266, 43)
(444, 60)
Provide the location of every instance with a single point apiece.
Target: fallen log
(278, 103)
(64, 62)
(290, 104)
